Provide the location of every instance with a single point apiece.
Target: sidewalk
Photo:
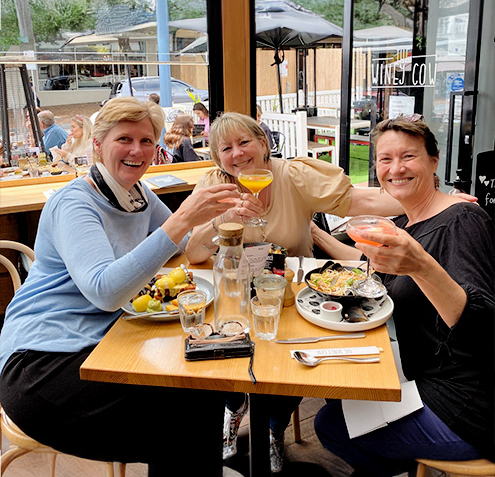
(65, 112)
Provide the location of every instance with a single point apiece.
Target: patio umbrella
(280, 24)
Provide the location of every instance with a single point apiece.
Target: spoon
(308, 360)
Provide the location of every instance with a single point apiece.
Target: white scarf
(134, 200)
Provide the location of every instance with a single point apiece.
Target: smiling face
(404, 168)
(76, 130)
(240, 151)
(127, 150)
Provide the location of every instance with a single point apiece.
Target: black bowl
(350, 299)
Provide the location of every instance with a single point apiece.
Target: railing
(294, 128)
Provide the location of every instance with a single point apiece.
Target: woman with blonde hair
(112, 236)
(79, 142)
(178, 140)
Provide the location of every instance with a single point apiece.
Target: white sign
(284, 69)
(401, 105)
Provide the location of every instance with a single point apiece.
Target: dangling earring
(382, 190)
(436, 180)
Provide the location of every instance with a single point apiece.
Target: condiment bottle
(231, 278)
(289, 297)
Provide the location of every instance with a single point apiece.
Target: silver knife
(315, 339)
(300, 272)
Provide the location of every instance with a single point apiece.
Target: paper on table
(362, 417)
(48, 193)
(357, 351)
(309, 264)
(257, 255)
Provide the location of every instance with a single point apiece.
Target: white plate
(311, 313)
(201, 284)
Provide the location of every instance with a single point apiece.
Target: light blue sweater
(91, 259)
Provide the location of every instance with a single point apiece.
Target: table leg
(259, 442)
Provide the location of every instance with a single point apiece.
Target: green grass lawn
(359, 163)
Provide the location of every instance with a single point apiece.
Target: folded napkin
(309, 263)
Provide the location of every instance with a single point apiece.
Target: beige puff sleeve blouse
(300, 188)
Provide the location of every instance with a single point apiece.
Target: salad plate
(163, 315)
(377, 311)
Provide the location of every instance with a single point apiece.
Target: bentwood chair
(21, 443)
(466, 468)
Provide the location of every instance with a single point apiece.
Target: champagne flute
(369, 287)
(255, 180)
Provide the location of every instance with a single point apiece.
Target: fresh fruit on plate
(141, 303)
(163, 288)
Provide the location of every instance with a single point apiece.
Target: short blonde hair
(127, 109)
(232, 123)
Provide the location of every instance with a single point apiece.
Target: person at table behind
(178, 140)
(300, 187)
(53, 134)
(439, 270)
(268, 132)
(204, 118)
(79, 142)
(111, 236)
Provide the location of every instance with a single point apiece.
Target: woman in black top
(440, 272)
(178, 140)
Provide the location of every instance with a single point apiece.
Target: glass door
(420, 68)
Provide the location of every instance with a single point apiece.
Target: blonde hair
(87, 126)
(182, 127)
(234, 123)
(127, 109)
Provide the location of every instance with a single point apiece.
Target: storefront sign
(484, 186)
(407, 72)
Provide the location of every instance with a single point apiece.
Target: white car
(143, 87)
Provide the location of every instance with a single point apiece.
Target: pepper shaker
(289, 296)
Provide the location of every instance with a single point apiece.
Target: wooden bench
(315, 148)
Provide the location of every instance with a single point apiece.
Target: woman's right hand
(199, 208)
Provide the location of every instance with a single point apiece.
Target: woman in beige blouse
(300, 188)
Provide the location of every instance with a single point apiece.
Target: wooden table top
(29, 195)
(150, 353)
(328, 122)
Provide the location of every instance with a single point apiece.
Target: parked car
(362, 107)
(143, 87)
(69, 82)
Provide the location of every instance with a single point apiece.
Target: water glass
(266, 316)
(192, 305)
(270, 284)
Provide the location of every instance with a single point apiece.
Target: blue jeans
(392, 449)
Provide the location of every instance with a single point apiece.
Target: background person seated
(79, 142)
(178, 140)
(53, 134)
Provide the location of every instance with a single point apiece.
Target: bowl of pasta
(334, 282)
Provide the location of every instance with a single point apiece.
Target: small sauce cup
(331, 311)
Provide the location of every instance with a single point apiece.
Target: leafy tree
(9, 33)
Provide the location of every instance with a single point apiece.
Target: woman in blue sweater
(100, 240)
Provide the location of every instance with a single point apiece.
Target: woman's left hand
(399, 255)
(246, 206)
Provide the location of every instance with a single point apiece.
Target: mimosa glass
(369, 288)
(256, 180)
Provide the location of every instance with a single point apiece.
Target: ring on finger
(242, 203)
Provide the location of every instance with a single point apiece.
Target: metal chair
(279, 141)
(21, 443)
(465, 468)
